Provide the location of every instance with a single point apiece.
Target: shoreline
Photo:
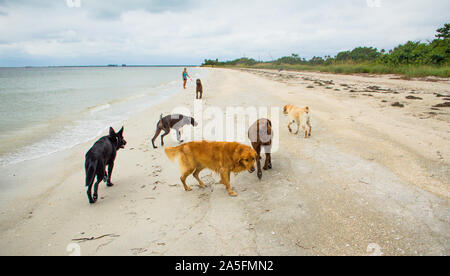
(50, 133)
(369, 174)
(9, 171)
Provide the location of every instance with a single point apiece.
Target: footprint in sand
(156, 171)
(137, 251)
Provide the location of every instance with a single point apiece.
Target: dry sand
(371, 175)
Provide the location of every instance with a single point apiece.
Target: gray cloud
(156, 31)
(115, 8)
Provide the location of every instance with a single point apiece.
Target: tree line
(433, 53)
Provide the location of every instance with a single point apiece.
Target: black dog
(102, 153)
(175, 121)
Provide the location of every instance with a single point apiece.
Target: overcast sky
(57, 32)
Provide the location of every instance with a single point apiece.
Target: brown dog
(260, 134)
(299, 116)
(221, 157)
(199, 90)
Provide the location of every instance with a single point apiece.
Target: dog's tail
(307, 109)
(172, 153)
(91, 168)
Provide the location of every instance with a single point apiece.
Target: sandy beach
(373, 178)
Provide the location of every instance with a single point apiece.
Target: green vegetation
(412, 59)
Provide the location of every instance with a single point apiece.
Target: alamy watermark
(229, 124)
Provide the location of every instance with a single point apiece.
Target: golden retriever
(300, 116)
(220, 157)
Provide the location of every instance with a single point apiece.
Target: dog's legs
(183, 177)
(183, 180)
(110, 169)
(257, 147)
(95, 196)
(166, 132)
(179, 135)
(298, 128)
(158, 131)
(306, 131)
(196, 175)
(225, 178)
(269, 156)
(90, 177)
(289, 127)
(89, 193)
(268, 163)
(309, 125)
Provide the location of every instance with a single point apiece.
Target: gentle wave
(97, 108)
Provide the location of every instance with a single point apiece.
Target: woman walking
(185, 77)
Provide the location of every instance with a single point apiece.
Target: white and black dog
(102, 153)
(174, 121)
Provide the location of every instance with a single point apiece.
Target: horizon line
(109, 65)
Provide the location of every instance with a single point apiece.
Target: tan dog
(300, 116)
(220, 157)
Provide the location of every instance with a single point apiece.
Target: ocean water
(46, 110)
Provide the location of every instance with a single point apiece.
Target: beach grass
(406, 71)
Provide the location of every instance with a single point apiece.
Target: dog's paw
(260, 175)
(231, 193)
(109, 184)
(94, 199)
(188, 189)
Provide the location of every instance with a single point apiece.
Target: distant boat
(124, 65)
(113, 65)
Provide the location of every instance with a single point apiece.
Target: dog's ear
(237, 158)
(239, 162)
(120, 133)
(112, 133)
